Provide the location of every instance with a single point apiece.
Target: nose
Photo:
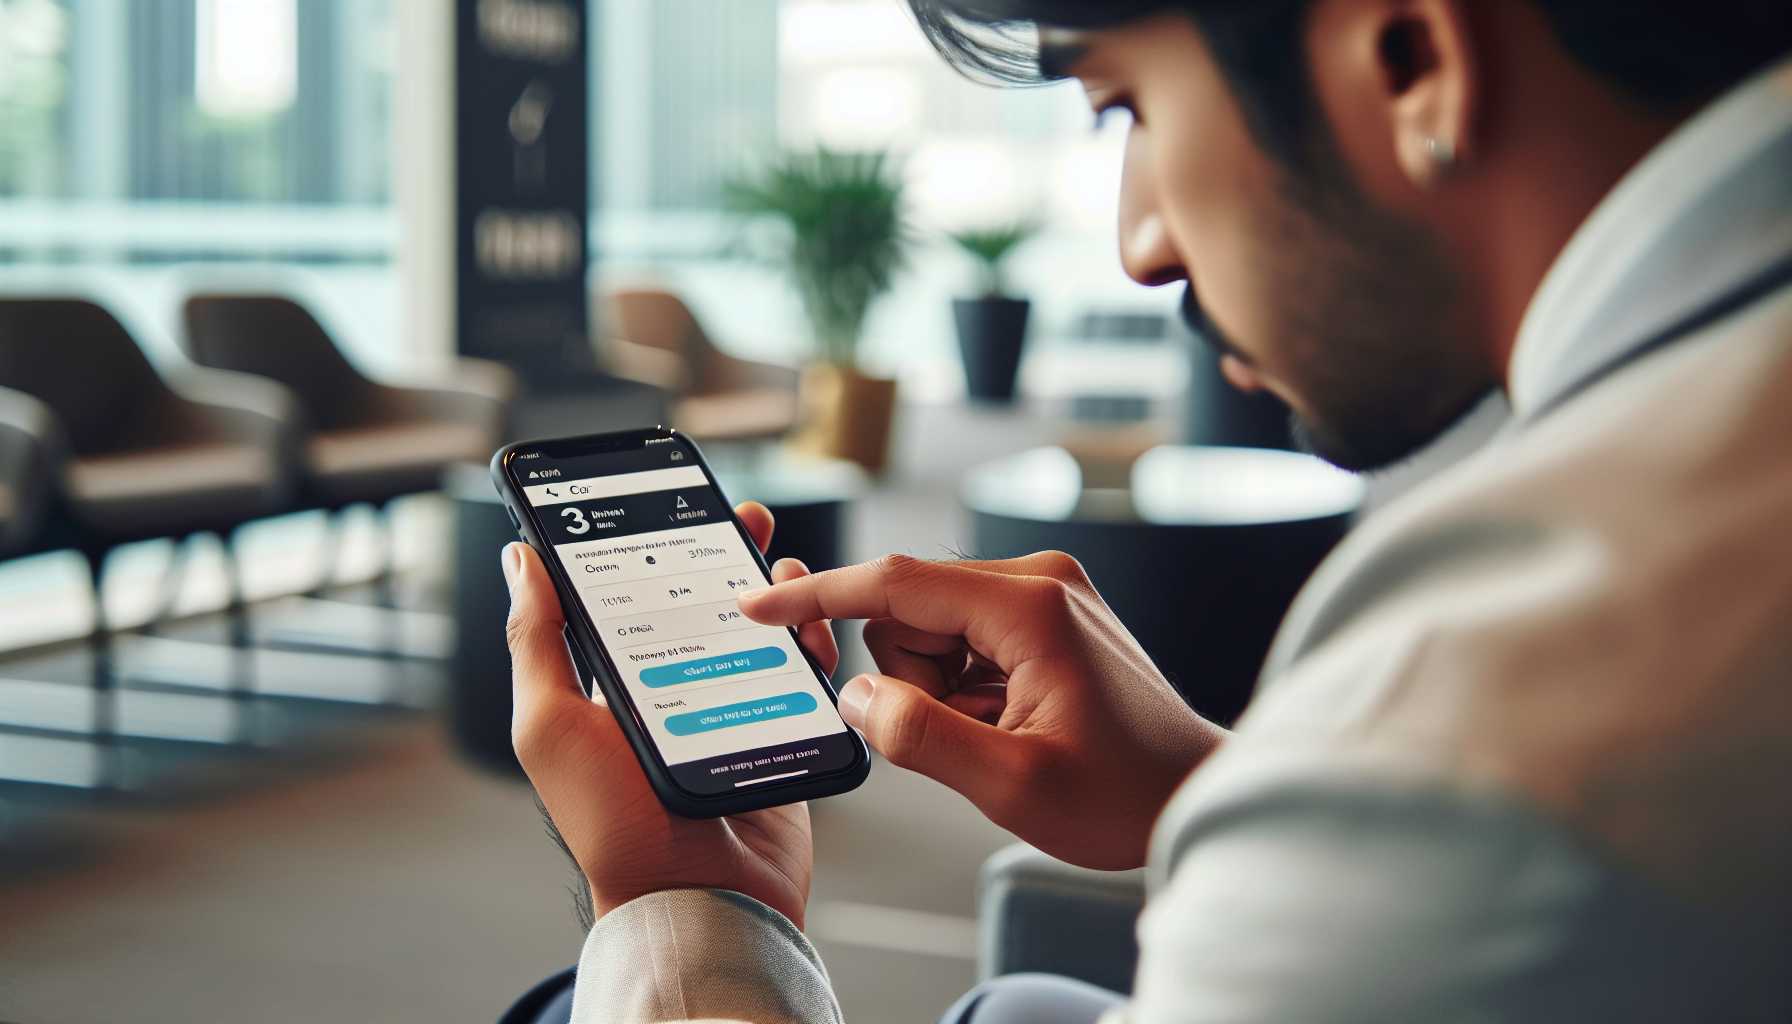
(1146, 251)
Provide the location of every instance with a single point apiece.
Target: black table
(1199, 556)
(809, 498)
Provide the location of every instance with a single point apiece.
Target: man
(1524, 747)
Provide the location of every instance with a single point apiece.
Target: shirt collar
(1633, 251)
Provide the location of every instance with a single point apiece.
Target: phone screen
(657, 561)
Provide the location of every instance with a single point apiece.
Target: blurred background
(276, 277)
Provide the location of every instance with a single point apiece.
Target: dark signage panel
(522, 202)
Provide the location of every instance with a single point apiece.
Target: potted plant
(843, 240)
(992, 328)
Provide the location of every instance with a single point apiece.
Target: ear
(1426, 54)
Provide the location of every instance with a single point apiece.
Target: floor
(401, 885)
(367, 873)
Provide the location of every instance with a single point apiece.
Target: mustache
(1195, 316)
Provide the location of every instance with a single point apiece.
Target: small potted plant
(992, 328)
(843, 240)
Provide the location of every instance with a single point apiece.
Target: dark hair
(1667, 55)
(1253, 40)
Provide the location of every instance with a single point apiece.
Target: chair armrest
(466, 391)
(31, 452)
(27, 418)
(483, 379)
(1037, 913)
(392, 403)
(732, 373)
(647, 365)
(255, 403)
(224, 405)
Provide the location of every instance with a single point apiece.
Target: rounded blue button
(746, 712)
(699, 669)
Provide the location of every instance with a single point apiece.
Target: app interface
(657, 563)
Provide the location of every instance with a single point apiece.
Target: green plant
(991, 247)
(845, 235)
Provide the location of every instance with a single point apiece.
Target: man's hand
(624, 840)
(1014, 684)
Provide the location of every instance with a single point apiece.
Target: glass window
(34, 87)
(145, 142)
(690, 92)
(208, 101)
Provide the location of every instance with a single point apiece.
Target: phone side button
(511, 512)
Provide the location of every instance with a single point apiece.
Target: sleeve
(700, 954)
(1330, 895)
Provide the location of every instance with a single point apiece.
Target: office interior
(277, 277)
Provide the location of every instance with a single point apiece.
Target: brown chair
(658, 340)
(365, 441)
(149, 456)
(145, 455)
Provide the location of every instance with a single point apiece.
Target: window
(33, 96)
(143, 143)
(690, 92)
(217, 105)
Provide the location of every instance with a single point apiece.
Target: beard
(1368, 339)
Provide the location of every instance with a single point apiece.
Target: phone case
(591, 653)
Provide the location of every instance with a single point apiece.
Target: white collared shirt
(1669, 212)
(1523, 750)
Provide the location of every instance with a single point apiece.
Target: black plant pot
(992, 332)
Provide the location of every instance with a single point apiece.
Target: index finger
(988, 609)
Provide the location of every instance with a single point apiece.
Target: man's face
(1347, 312)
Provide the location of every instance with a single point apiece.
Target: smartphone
(725, 715)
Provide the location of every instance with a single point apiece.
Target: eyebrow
(1056, 60)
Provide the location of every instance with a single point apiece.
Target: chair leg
(174, 577)
(330, 554)
(385, 584)
(242, 636)
(104, 677)
(385, 578)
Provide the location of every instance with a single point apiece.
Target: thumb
(542, 675)
(913, 730)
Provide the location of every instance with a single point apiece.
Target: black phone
(725, 715)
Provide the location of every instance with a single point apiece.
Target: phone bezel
(597, 658)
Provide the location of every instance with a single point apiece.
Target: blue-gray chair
(1037, 914)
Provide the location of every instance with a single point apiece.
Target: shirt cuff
(700, 954)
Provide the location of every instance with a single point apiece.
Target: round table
(808, 497)
(1200, 555)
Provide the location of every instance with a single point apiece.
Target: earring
(1441, 151)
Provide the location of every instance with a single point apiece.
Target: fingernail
(511, 560)
(855, 697)
(753, 594)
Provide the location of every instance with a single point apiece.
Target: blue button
(746, 712)
(699, 669)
